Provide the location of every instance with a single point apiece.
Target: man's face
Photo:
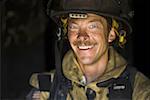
(88, 38)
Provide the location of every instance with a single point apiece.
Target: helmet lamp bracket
(77, 15)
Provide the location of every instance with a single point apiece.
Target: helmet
(119, 10)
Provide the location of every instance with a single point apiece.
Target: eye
(72, 26)
(93, 26)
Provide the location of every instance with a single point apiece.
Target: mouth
(84, 47)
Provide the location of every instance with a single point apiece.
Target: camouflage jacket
(115, 66)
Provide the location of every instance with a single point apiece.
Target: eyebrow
(96, 20)
(72, 22)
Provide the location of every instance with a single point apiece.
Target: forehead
(86, 17)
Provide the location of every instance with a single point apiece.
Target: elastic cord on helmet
(64, 25)
(120, 33)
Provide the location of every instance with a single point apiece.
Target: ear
(111, 36)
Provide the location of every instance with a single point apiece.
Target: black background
(31, 49)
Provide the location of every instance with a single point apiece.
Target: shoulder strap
(60, 87)
(132, 71)
(122, 87)
(44, 82)
(61, 84)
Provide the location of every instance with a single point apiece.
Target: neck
(93, 71)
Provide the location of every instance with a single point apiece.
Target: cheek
(71, 34)
(100, 38)
(97, 35)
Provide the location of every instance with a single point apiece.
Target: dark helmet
(117, 9)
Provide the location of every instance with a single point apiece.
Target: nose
(83, 35)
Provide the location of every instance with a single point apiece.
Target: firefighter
(91, 69)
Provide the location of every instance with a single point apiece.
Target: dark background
(28, 44)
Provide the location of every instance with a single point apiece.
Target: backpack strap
(44, 82)
(132, 71)
(61, 84)
(121, 88)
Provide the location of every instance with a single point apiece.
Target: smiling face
(88, 38)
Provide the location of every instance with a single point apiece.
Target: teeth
(85, 47)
